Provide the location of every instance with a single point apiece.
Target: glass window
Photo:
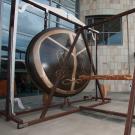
(30, 23)
(115, 38)
(5, 37)
(41, 1)
(52, 18)
(110, 32)
(65, 24)
(60, 22)
(23, 41)
(69, 4)
(5, 15)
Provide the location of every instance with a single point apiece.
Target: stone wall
(113, 59)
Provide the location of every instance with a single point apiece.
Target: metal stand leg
(131, 106)
(96, 66)
(93, 67)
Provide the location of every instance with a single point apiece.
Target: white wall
(114, 59)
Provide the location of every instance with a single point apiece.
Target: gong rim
(35, 68)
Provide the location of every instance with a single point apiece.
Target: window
(30, 22)
(65, 5)
(110, 32)
(26, 26)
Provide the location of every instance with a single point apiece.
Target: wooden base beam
(106, 77)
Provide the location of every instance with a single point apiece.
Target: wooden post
(131, 106)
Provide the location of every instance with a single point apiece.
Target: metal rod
(111, 18)
(131, 106)
(96, 64)
(53, 13)
(92, 64)
(53, 116)
(94, 105)
(105, 111)
(11, 57)
(128, 44)
(45, 20)
(15, 119)
(101, 98)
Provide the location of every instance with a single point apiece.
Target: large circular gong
(45, 56)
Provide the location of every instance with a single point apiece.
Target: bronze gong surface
(45, 56)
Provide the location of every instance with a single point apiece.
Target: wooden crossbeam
(106, 77)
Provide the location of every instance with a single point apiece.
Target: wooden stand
(106, 77)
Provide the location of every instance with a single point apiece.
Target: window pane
(89, 36)
(30, 23)
(105, 38)
(52, 24)
(89, 21)
(4, 37)
(100, 39)
(5, 16)
(22, 42)
(113, 26)
(115, 38)
(4, 54)
(106, 27)
(70, 4)
(65, 24)
(4, 46)
(43, 1)
(100, 26)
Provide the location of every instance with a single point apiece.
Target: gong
(45, 56)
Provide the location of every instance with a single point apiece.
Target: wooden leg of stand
(45, 98)
(131, 105)
(47, 104)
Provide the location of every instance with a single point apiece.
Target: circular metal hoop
(45, 56)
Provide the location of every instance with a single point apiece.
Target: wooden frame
(106, 77)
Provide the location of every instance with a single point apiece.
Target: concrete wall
(113, 59)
